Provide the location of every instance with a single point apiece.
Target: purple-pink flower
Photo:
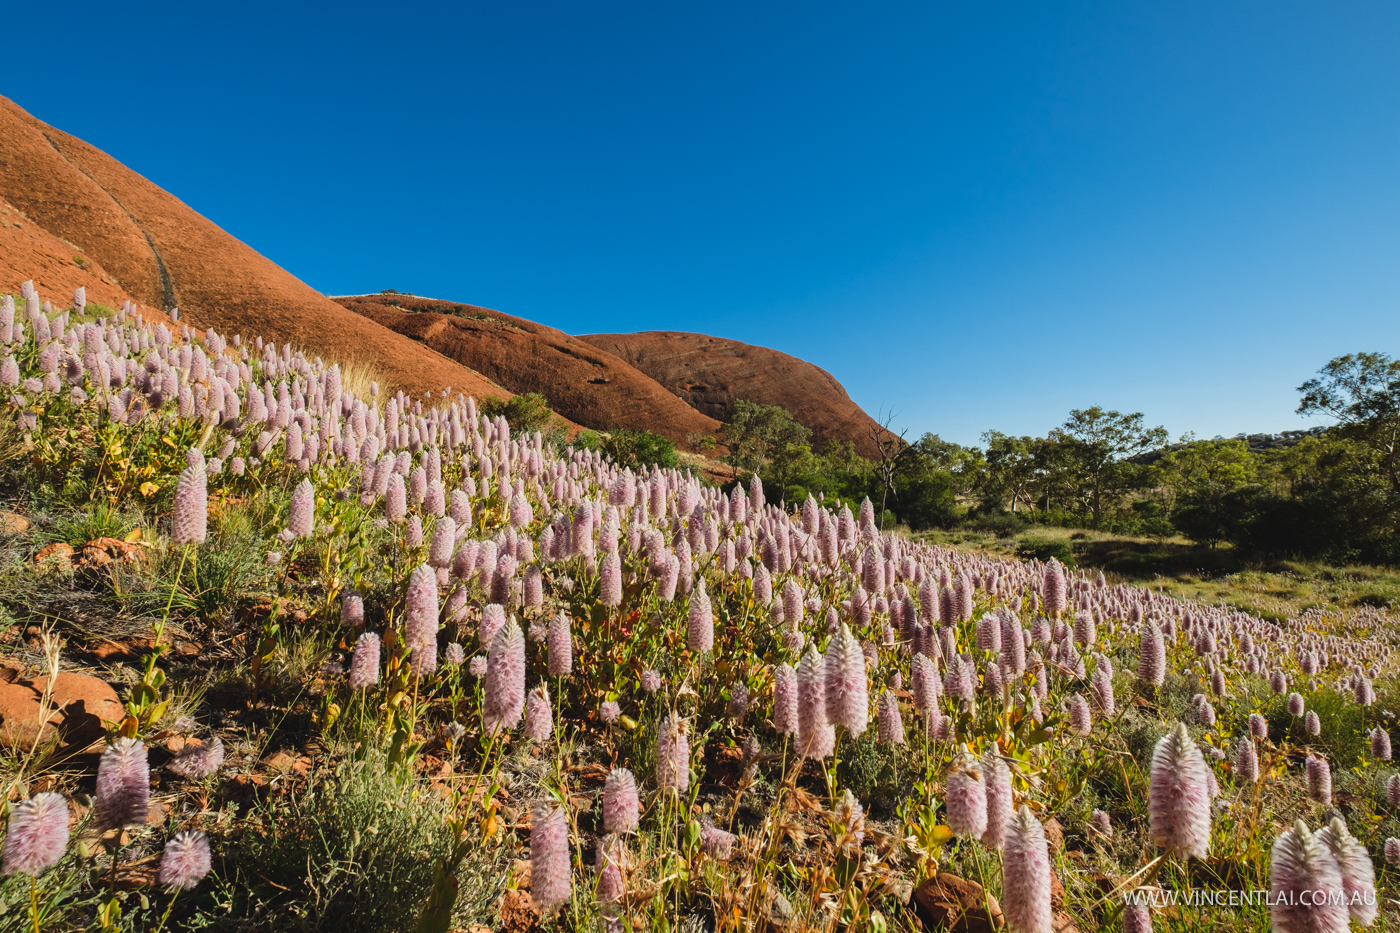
(38, 834)
(1179, 795)
(1025, 897)
(551, 877)
(185, 861)
(123, 785)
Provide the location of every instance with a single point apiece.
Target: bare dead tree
(892, 449)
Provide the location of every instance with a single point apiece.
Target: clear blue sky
(979, 216)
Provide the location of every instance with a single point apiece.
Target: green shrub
(528, 411)
(1001, 524)
(355, 851)
(76, 528)
(1045, 549)
(639, 448)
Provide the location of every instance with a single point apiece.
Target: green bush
(639, 448)
(1001, 524)
(1045, 549)
(526, 412)
(356, 851)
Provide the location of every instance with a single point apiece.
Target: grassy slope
(1272, 588)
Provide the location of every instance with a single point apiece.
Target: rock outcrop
(145, 243)
(712, 372)
(585, 384)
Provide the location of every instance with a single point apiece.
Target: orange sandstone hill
(143, 242)
(70, 216)
(712, 372)
(589, 386)
(28, 251)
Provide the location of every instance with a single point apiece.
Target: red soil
(585, 384)
(28, 251)
(157, 250)
(712, 372)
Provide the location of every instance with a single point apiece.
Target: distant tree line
(1331, 494)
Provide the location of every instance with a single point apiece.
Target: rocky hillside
(77, 206)
(712, 372)
(56, 266)
(71, 215)
(585, 384)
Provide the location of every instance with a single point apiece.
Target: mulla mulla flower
(185, 861)
(816, 737)
(1319, 774)
(611, 864)
(539, 715)
(846, 696)
(700, 627)
(966, 797)
(1080, 719)
(301, 517)
(1179, 795)
(505, 679)
(352, 609)
(621, 805)
(198, 760)
(1246, 762)
(493, 619)
(891, 723)
(396, 500)
(673, 755)
(551, 880)
(996, 777)
(1054, 588)
(123, 785)
(1137, 915)
(1358, 875)
(1152, 655)
(364, 663)
(1380, 744)
(610, 592)
(785, 699)
(1306, 887)
(191, 516)
(715, 842)
(38, 834)
(421, 607)
(1025, 897)
(443, 541)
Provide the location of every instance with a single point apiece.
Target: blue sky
(977, 216)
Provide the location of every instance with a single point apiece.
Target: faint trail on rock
(168, 301)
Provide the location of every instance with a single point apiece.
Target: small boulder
(103, 551)
(1055, 835)
(79, 709)
(58, 554)
(947, 902)
(518, 913)
(13, 524)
